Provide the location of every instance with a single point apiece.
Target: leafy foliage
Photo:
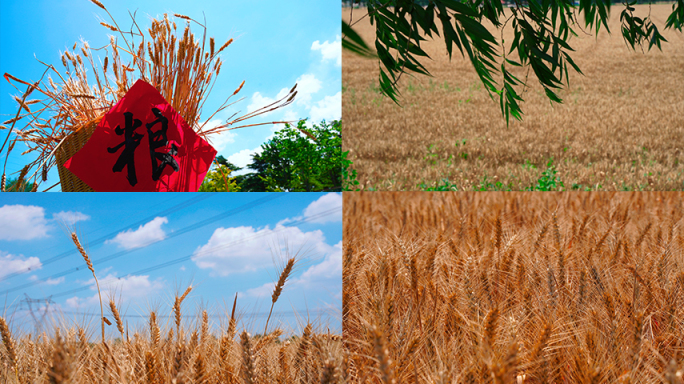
(548, 180)
(298, 159)
(353, 42)
(636, 30)
(676, 18)
(19, 185)
(349, 182)
(219, 180)
(542, 29)
(443, 185)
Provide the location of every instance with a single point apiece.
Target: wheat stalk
(177, 309)
(278, 289)
(74, 238)
(176, 65)
(117, 318)
(9, 345)
(248, 372)
(498, 310)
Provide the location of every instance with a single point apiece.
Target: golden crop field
(514, 287)
(160, 356)
(620, 127)
(171, 351)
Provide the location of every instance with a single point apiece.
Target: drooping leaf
(354, 43)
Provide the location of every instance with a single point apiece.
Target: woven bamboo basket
(73, 143)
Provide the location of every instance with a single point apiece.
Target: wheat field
(171, 351)
(197, 356)
(67, 356)
(620, 127)
(513, 287)
(190, 354)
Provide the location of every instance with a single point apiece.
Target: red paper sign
(143, 145)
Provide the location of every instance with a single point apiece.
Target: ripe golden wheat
(163, 356)
(182, 67)
(513, 288)
(620, 125)
(69, 356)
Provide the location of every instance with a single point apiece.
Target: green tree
(23, 186)
(218, 178)
(298, 158)
(542, 29)
(223, 161)
(251, 182)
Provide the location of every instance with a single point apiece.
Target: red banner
(143, 145)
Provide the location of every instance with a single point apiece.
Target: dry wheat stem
(80, 248)
(177, 65)
(503, 302)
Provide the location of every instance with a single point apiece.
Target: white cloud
(56, 281)
(325, 203)
(328, 271)
(243, 158)
(73, 302)
(259, 101)
(219, 140)
(290, 115)
(49, 281)
(69, 217)
(243, 249)
(330, 51)
(264, 290)
(125, 288)
(10, 264)
(330, 108)
(22, 222)
(144, 235)
(307, 85)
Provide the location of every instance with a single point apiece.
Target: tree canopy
(542, 29)
(297, 159)
(19, 184)
(218, 178)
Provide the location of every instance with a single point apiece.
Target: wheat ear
(177, 309)
(9, 345)
(284, 275)
(117, 318)
(247, 358)
(90, 266)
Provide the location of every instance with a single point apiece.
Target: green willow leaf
(542, 29)
(354, 43)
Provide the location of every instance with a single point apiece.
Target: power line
(107, 225)
(186, 258)
(249, 315)
(192, 227)
(104, 238)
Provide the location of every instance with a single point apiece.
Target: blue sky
(277, 44)
(146, 247)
